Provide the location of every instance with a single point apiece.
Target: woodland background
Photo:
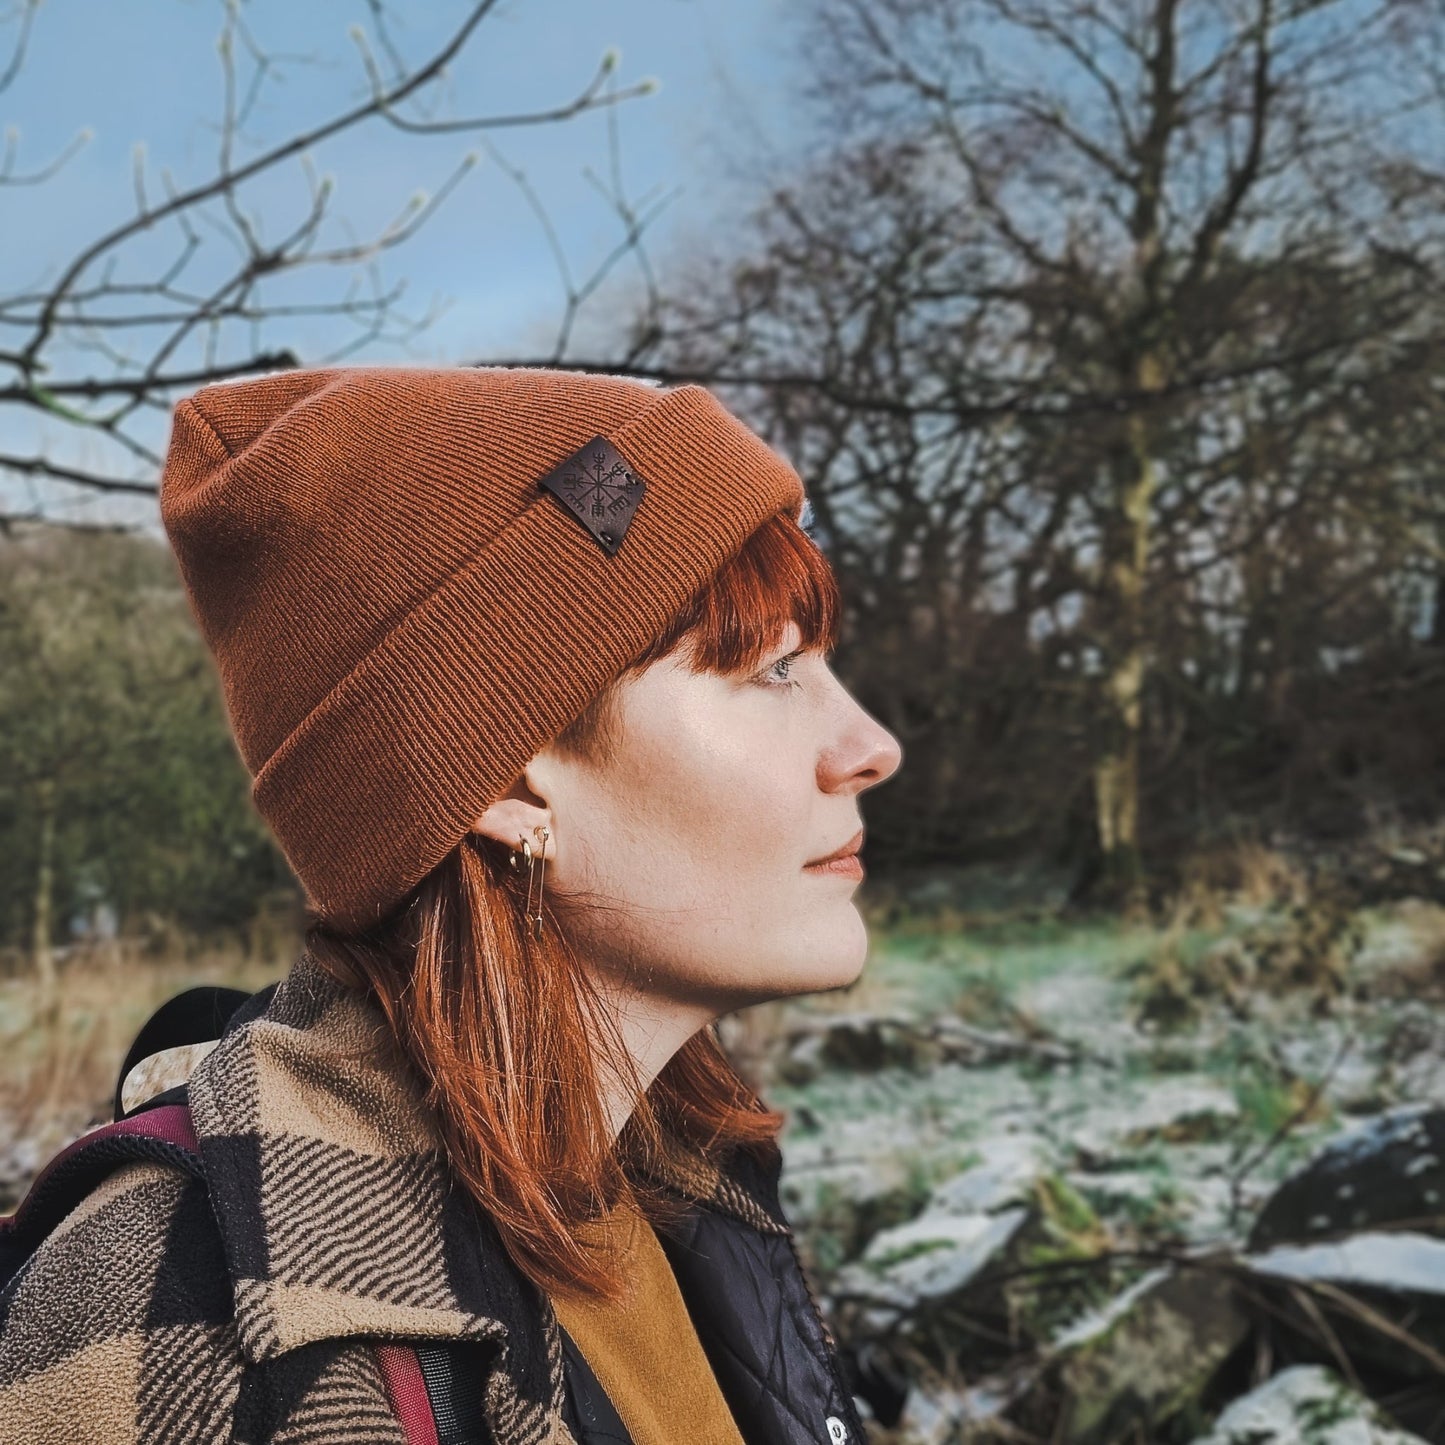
(1107, 338)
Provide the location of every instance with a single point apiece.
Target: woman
(530, 672)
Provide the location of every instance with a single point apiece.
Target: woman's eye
(772, 675)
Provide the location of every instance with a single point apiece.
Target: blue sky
(147, 71)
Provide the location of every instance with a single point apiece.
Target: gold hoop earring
(541, 834)
(526, 856)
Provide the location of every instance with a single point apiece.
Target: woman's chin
(836, 960)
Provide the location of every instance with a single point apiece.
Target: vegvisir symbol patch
(600, 487)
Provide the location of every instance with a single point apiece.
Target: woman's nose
(886, 756)
(865, 755)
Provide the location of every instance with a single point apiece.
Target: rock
(1414, 1055)
(1062, 1227)
(1098, 1322)
(803, 1060)
(1305, 1405)
(1388, 1169)
(1379, 1296)
(916, 1295)
(1169, 1109)
(1184, 1203)
(1396, 1260)
(1008, 1165)
(1141, 1360)
(929, 1258)
(938, 1414)
(861, 1042)
(974, 1273)
(844, 1203)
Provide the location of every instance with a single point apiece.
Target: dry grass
(59, 1057)
(1244, 871)
(59, 1060)
(1421, 975)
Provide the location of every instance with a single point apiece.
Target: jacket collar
(337, 1213)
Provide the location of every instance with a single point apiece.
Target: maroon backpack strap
(407, 1392)
(163, 1134)
(171, 1122)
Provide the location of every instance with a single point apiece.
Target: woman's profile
(530, 671)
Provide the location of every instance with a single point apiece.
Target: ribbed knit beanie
(411, 580)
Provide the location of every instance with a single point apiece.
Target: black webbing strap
(454, 1375)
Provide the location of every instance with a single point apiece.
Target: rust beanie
(412, 580)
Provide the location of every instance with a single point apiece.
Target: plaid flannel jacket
(246, 1308)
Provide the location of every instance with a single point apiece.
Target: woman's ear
(520, 810)
(508, 820)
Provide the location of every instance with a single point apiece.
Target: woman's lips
(848, 866)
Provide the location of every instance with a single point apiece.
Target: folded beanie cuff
(446, 710)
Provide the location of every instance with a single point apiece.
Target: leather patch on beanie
(601, 488)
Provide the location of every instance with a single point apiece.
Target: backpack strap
(435, 1390)
(406, 1390)
(163, 1135)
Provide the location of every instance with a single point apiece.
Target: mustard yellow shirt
(645, 1351)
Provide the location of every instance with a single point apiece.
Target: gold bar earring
(541, 834)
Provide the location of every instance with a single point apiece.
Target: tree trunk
(1116, 767)
(42, 956)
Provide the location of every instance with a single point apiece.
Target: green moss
(1268, 1102)
(1319, 1415)
(1065, 1208)
(887, 1258)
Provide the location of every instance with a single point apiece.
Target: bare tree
(196, 284)
(201, 281)
(1087, 306)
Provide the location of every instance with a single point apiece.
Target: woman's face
(678, 865)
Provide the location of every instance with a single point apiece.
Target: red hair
(507, 1032)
